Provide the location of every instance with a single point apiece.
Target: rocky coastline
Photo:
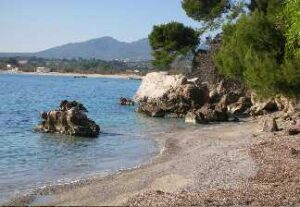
(195, 164)
(224, 164)
(163, 95)
(230, 164)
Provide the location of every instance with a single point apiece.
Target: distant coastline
(95, 75)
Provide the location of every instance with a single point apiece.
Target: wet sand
(191, 160)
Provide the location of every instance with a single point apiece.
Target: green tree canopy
(261, 48)
(170, 40)
(204, 10)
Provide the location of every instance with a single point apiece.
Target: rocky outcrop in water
(126, 101)
(69, 119)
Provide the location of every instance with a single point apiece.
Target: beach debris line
(69, 119)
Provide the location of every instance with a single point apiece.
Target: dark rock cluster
(69, 119)
(126, 101)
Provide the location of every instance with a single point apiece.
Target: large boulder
(69, 119)
(278, 103)
(261, 107)
(161, 94)
(241, 106)
(206, 114)
(211, 113)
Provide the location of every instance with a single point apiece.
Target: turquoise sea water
(30, 160)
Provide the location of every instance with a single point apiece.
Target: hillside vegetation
(260, 42)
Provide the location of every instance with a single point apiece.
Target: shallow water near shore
(30, 160)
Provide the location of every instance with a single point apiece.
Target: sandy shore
(191, 160)
(120, 76)
(222, 165)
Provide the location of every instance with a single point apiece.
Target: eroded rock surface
(161, 94)
(69, 119)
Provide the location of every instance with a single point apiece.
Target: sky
(35, 25)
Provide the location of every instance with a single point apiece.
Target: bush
(253, 51)
(291, 25)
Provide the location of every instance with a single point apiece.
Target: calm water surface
(29, 160)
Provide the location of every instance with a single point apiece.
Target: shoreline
(33, 194)
(118, 76)
(169, 151)
(40, 195)
(232, 164)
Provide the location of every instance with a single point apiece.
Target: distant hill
(105, 48)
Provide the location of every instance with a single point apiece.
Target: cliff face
(205, 70)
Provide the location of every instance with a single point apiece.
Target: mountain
(105, 48)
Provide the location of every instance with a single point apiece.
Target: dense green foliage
(170, 40)
(291, 25)
(204, 10)
(262, 49)
(262, 5)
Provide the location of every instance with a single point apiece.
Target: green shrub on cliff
(250, 50)
(170, 40)
(291, 25)
(262, 48)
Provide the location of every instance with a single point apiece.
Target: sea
(30, 160)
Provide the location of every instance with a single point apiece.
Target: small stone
(294, 129)
(270, 125)
(159, 192)
(294, 151)
(234, 119)
(126, 102)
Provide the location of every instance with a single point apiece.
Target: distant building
(43, 70)
(8, 66)
(22, 62)
(15, 69)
